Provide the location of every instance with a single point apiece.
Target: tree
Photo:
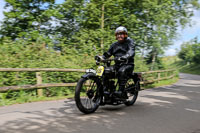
(24, 17)
(187, 52)
(87, 26)
(196, 49)
(161, 21)
(66, 18)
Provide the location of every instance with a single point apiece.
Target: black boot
(120, 93)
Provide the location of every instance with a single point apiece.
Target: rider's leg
(123, 73)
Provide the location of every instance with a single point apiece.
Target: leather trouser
(123, 72)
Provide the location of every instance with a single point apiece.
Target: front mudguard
(98, 81)
(89, 75)
(92, 76)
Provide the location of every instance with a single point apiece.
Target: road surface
(169, 109)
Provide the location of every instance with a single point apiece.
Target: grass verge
(191, 69)
(29, 99)
(161, 83)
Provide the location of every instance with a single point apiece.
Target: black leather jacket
(125, 50)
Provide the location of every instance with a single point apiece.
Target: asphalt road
(169, 109)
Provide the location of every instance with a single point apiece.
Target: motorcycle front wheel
(87, 95)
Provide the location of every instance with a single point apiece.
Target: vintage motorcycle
(97, 87)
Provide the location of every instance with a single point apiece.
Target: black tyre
(132, 92)
(87, 95)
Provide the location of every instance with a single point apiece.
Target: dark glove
(123, 58)
(120, 59)
(106, 55)
(102, 58)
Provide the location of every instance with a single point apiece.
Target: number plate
(100, 71)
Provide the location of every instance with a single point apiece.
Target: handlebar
(101, 59)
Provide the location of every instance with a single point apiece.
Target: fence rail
(147, 77)
(40, 70)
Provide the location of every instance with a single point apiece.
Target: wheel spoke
(89, 96)
(86, 101)
(132, 94)
(91, 103)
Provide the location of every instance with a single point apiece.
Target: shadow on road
(174, 105)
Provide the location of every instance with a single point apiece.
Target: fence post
(166, 73)
(158, 77)
(174, 74)
(39, 81)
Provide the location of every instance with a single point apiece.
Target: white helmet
(121, 29)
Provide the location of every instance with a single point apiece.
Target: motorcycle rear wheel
(87, 95)
(132, 94)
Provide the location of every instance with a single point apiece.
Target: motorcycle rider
(123, 51)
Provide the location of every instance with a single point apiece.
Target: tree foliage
(40, 33)
(71, 33)
(190, 51)
(26, 16)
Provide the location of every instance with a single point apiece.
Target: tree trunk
(153, 60)
(102, 27)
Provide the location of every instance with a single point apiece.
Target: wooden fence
(147, 77)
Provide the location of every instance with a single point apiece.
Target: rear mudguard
(137, 77)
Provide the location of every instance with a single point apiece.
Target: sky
(185, 34)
